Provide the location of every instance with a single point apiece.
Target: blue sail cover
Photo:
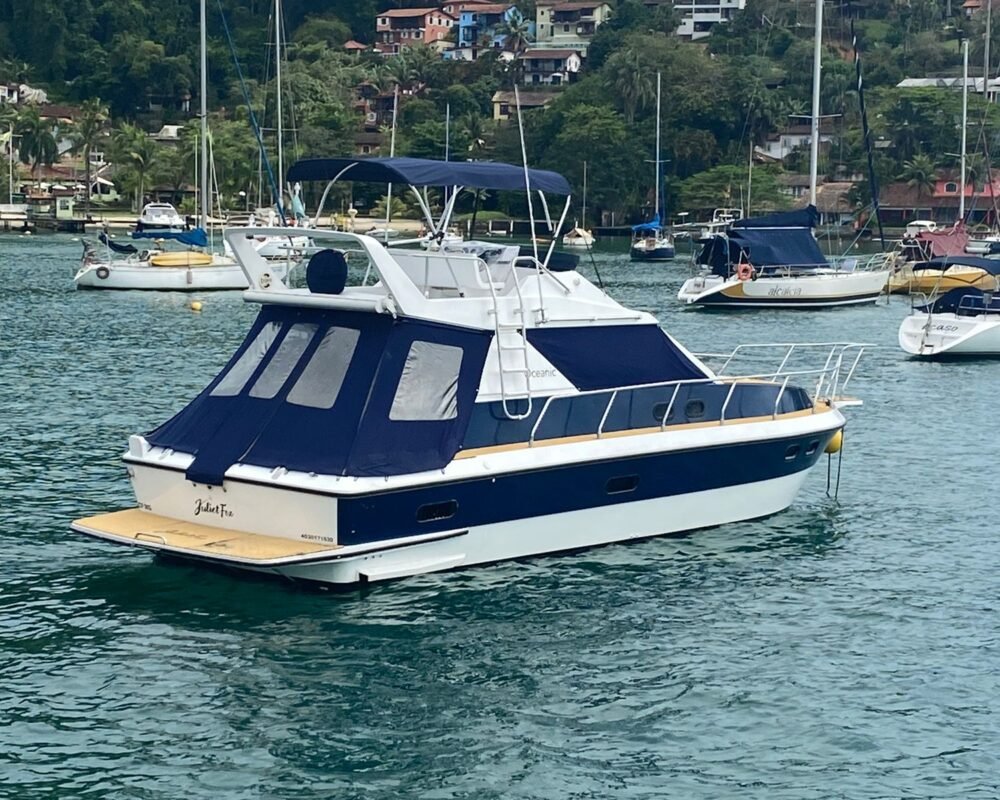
(196, 237)
(776, 240)
(652, 226)
(123, 249)
(428, 172)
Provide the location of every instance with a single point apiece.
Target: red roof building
(399, 28)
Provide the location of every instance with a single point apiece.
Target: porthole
(432, 512)
(622, 484)
(813, 447)
(792, 452)
(694, 409)
(660, 409)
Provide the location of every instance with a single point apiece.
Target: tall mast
(204, 121)
(657, 193)
(584, 225)
(986, 50)
(965, 116)
(814, 122)
(277, 75)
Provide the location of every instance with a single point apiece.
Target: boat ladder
(512, 356)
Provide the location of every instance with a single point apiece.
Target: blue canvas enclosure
(768, 242)
(602, 356)
(428, 172)
(334, 392)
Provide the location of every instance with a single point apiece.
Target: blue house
(479, 27)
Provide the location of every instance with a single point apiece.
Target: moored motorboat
(424, 411)
(160, 216)
(957, 321)
(774, 261)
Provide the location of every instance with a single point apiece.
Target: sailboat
(580, 237)
(774, 261)
(158, 269)
(650, 240)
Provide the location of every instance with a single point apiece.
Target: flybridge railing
(841, 362)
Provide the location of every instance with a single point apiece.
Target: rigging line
(253, 117)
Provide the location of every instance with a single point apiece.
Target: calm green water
(840, 649)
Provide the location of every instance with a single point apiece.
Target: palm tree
(631, 81)
(138, 152)
(38, 144)
(516, 33)
(85, 134)
(920, 173)
(472, 123)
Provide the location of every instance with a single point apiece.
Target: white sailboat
(192, 269)
(650, 240)
(774, 261)
(580, 237)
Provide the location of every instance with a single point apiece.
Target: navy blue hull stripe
(557, 490)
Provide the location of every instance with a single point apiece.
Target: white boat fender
(103, 272)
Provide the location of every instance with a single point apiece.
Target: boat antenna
(524, 161)
(253, 117)
(867, 134)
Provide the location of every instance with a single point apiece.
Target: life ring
(744, 271)
(103, 272)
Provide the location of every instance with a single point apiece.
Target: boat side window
(428, 386)
(240, 372)
(319, 384)
(284, 360)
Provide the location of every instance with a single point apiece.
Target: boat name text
(208, 507)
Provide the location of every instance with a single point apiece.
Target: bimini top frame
(420, 173)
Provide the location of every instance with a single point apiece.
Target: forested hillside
(137, 63)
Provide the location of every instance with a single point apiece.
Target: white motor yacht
(160, 216)
(422, 411)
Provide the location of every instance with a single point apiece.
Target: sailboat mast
(277, 75)
(657, 194)
(584, 195)
(204, 120)
(965, 116)
(986, 51)
(814, 122)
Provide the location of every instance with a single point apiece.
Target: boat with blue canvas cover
(774, 261)
(959, 321)
(411, 411)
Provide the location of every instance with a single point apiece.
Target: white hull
(528, 537)
(949, 334)
(141, 276)
(578, 239)
(830, 288)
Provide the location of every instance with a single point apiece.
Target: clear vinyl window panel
(238, 375)
(284, 360)
(428, 386)
(319, 384)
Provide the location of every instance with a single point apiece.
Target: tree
(631, 81)
(138, 154)
(85, 134)
(920, 173)
(516, 33)
(37, 144)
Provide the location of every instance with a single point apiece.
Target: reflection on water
(842, 647)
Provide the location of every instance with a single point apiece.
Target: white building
(699, 16)
(779, 145)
